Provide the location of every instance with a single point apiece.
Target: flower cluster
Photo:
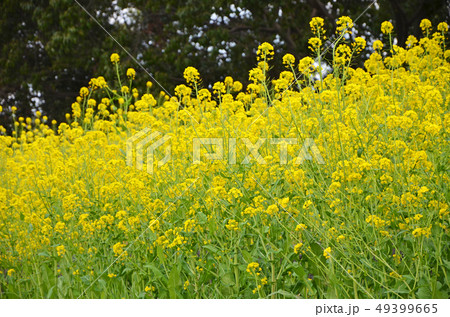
(364, 202)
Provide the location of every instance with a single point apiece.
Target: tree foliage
(51, 48)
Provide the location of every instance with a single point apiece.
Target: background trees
(50, 48)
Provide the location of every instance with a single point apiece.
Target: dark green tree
(51, 48)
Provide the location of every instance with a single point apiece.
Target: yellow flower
(395, 275)
(377, 45)
(272, 209)
(191, 75)
(235, 193)
(315, 43)
(115, 58)
(219, 88)
(237, 86)
(11, 272)
(60, 226)
(288, 60)
(84, 91)
(417, 217)
(61, 250)
(125, 89)
(297, 247)
(344, 25)
(386, 27)
(252, 267)
(92, 102)
(186, 284)
(204, 94)
(265, 52)
(411, 40)
(118, 249)
(422, 232)
(121, 214)
(131, 73)
(228, 81)
(149, 84)
(111, 275)
(316, 25)
(343, 54)
(135, 93)
(183, 90)
(327, 253)
(306, 65)
(101, 82)
(425, 25)
(301, 227)
(442, 27)
(256, 75)
(359, 44)
(232, 225)
(307, 204)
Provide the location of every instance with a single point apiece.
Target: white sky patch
(34, 44)
(277, 40)
(128, 16)
(376, 5)
(215, 19)
(244, 13)
(36, 99)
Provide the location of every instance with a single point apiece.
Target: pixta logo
(253, 150)
(145, 139)
(148, 141)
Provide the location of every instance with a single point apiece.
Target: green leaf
(160, 254)
(211, 248)
(424, 292)
(247, 256)
(284, 293)
(100, 285)
(156, 271)
(202, 219)
(400, 288)
(62, 287)
(298, 270)
(228, 279)
(50, 292)
(44, 253)
(174, 282)
(317, 249)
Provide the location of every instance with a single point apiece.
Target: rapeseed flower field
(364, 216)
